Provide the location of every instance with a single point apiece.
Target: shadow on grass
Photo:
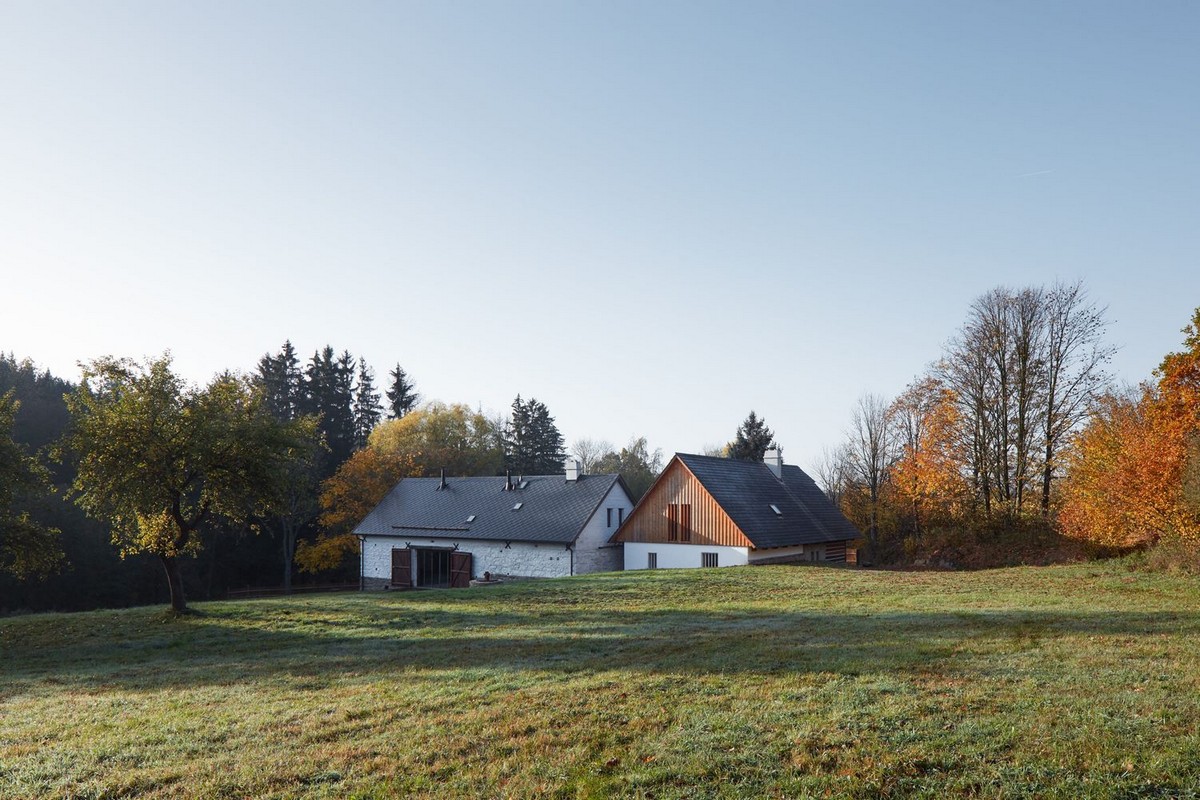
(364, 641)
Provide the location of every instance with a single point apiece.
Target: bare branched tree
(871, 454)
(590, 451)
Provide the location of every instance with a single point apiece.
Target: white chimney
(574, 469)
(774, 459)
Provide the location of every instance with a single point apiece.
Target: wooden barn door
(401, 568)
(460, 570)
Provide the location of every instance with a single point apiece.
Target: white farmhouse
(442, 532)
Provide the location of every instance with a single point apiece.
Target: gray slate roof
(747, 489)
(553, 509)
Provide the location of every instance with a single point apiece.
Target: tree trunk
(1047, 475)
(289, 553)
(175, 581)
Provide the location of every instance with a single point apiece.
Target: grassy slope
(1066, 681)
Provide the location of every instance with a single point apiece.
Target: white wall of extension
(590, 553)
(525, 559)
(677, 556)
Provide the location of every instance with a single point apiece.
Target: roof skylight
(470, 519)
(517, 507)
(775, 508)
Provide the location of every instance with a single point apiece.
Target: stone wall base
(375, 584)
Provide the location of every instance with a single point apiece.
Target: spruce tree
(280, 379)
(329, 393)
(753, 440)
(402, 395)
(533, 444)
(367, 411)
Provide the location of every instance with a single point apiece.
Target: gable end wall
(710, 524)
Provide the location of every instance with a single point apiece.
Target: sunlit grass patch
(1069, 681)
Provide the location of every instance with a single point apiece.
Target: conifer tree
(533, 444)
(329, 393)
(367, 411)
(280, 379)
(753, 439)
(402, 395)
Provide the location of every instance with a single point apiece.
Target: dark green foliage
(367, 411)
(329, 394)
(402, 395)
(635, 463)
(532, 442)
(282, 383)
(753, 439)
(27, 548)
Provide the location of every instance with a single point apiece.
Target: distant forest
(358, 440)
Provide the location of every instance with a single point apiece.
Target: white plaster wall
(675, 556)
(593, 553)
(523, 559)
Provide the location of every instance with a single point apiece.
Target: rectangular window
(685, 522)
(672, 523)
(609, 510)
(651, 560)
(708, 559)
(814, 555)
(620, 516)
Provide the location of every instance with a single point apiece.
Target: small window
(708, 559)
(685, 522)
(470, 519)
(775, 508)
(651, 560)
(814, 555)
(620, 516)
(672, 522)
(609, 517)
(517, 507)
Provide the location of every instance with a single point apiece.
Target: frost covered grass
(1078, 681)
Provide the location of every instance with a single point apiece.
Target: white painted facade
(682, 556)
(590, 552)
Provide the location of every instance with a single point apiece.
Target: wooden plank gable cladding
(679, 510)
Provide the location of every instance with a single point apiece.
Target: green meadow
(1079, 681)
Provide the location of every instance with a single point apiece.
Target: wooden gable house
(709, 512)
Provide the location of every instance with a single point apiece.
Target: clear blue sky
(651, 216)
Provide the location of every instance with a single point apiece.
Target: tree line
(1004, 433)
(208, 485)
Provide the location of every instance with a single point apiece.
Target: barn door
(460, 570)
(401, 568)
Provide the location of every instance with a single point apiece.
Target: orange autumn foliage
(1126, 468)
(346, 498)
(926, 478)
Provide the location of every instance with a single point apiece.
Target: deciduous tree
(635, 463)
(27, 549)
(160, 459)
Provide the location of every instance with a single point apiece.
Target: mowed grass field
(1079, 681)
